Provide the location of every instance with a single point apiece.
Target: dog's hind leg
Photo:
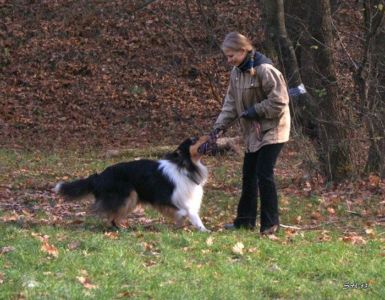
(129, 205)
(196, 221)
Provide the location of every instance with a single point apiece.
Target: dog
(172, 185)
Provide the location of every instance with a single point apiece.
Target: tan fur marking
(195, 155)
(129, 205)
(166, 211)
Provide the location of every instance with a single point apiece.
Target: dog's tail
(76, 189)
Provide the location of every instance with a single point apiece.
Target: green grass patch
(170, 264)
(53, 251)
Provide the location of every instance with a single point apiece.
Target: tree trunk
(370, 80)
(333, 141)
(302, 107)
(318, 119)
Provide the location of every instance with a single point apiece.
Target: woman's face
(235, 58)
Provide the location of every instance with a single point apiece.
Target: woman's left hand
(250, 114)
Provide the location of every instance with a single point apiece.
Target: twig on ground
(290, 227)
(354, 213)
(310, 227)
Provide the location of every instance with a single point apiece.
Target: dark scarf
(253, 59)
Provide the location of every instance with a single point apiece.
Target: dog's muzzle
(208, 147)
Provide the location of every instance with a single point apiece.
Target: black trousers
(258, 174)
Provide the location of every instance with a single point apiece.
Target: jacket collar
(253, 59)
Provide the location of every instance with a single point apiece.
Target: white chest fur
(187, 194)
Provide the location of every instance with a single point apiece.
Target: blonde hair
(236, 42)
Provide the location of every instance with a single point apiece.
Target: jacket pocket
(267, 124)
(249, 92)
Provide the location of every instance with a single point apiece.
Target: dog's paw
(204, 229)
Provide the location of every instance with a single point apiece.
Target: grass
(152, 260)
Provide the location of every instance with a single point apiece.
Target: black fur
(78, 188)
(181, 157)
(112, 187)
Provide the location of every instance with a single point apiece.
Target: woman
(257, 94)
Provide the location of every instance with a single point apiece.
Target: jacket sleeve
(229, 110)
(274, 87)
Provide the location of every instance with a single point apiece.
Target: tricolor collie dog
(173, 185)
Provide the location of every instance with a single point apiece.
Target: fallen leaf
(371, 281)
(46, 247)
(1, 277)
(315, 215)
(31, 284)
(40, 237)
(126, 294)
(112, 153)
(272, 237)
(252, 250)
(331, 210)
(73, 245)
(274, 268)
(370, 232)
(354, 240)
(112, 235)
(290, 232)
(12, 217)
(77, 222)
(150, 263)
(27, 213)
(147, 246)
(325, 237)
(374, 180)
(209, 241)
(168, 282)
(238, 248)
(85, 281)
(50, 249)
(307, 187)
(7, 249)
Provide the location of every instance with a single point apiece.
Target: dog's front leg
(179, 218)
(197, 222)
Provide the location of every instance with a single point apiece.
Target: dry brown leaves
(354, 239)
(46, 247)
(85, 280)
(6, 249)
(112, 235)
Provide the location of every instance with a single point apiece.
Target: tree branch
(143, 5)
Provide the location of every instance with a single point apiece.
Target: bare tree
(333, 141)
(370, 80)
(323, 114)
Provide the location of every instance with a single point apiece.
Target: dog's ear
(176, 154)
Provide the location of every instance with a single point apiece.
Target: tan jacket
(267, 91)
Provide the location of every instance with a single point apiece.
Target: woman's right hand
(214, 135)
